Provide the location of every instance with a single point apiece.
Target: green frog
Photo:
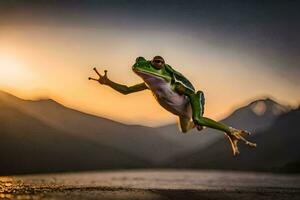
(177, 95)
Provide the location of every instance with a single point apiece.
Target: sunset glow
(55, 60)
(11, 69)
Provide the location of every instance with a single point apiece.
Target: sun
(11, 70)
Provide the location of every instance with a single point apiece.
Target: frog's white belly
(167, 97)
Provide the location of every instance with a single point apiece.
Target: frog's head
(155, 67)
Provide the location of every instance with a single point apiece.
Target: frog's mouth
(148, 74)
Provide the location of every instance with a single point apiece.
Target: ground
(144, 185)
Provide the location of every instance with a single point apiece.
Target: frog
(176, 94)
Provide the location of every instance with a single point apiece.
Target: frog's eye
(158, 62)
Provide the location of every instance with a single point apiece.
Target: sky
(233, 51)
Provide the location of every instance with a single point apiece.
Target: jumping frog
(177, 95)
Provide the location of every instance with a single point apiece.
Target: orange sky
(54, 62)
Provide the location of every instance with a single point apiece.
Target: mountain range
(45, 136)
(255, 116)
(278, 150)
(29, 145)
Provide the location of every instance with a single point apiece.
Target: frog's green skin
(177, 95)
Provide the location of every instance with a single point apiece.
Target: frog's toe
(234, 136)
(233, 143)
(95, 69)
(244, 132)
(90, 78)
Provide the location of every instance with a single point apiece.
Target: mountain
(257, 115)
(278, 150)
(28, 145)
(45, 136)
(139, 141)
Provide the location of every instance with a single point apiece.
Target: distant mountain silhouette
(45, 136)
(257, 115)
(278, 150)
(139, 141)
(28, 145)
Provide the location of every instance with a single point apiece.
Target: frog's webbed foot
(102, 79)
(236, 135)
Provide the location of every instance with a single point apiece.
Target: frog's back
(180, 77)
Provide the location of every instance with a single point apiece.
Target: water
(143, 184)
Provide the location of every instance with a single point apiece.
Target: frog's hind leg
(198, 100)
(202, 102)
(234, 135)
(199, 97)
(185, 124)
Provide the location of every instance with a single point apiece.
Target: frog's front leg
(124, 89)
(234, 135)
